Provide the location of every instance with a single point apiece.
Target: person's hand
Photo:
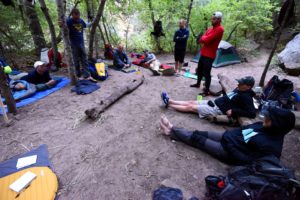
(229, 113)
(177, 37)
(51, 83)
(60, 23)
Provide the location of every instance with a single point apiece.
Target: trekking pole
(3, 111)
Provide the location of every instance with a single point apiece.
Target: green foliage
(130, 21)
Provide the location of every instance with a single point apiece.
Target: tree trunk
(52, 32)
(110, 34)
(66, 39)
(34, 26)
(151, 11)
(94, 26)
(263, 76)
(5, 91)
(189, 13)
(101, 33)
(95, 112)
(105, 30)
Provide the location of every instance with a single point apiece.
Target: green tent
(226, 55)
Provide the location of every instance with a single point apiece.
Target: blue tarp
(41, 94)
(9, 167)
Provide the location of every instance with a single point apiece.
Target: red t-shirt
(211, 40)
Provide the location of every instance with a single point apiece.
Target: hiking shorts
(205, 110)
(179, 55)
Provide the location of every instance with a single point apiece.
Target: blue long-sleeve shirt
(120, 59)
(180, 38)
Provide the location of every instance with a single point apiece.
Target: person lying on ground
(121, 60)
(238, 103)
(40, 75)
(76, 27)
(150, 61)
(242, 145)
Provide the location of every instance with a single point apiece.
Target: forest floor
(123, 155)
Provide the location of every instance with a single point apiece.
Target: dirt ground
(123, 154)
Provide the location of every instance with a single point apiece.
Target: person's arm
(175, 37)
(248, 109)
(206, 39)
(233, 152)
(150, 61)
(127, 59)
(117, 60)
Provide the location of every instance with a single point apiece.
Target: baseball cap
(38, 63)
(218, 14)
(247, 80)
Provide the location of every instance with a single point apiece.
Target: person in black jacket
(242, 145)
(238, 103)
(180, 38)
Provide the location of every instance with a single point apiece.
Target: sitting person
(238, 103)
(242, 145)
(51, 59)
(40, 76)
(150, 61)
(121, 60)
(108, 52)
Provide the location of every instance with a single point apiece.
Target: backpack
(279, 91)
(265, 179)
(98, 71)
(158, 30)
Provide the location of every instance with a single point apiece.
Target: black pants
(204, 69)
(209, 142)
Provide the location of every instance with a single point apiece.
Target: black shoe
(195, 85)
(204, 94)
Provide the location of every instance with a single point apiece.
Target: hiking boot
(204, 94)
(195, 85)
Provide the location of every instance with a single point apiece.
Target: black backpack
(265, 179)
(278, 91)
(158, 29)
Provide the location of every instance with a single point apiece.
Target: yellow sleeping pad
(43, 187)
(100, 68)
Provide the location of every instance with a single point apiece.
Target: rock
(290, 57)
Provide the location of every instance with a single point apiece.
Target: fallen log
(95, 112)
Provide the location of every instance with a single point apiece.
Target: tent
(226, 55)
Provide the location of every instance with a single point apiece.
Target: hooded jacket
(241, 103)
(268, 141)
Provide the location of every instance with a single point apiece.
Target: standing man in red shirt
(210, 42)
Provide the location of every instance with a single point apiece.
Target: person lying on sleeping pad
(40, 76)
(151, 62)
(238, 103)
(242, 145)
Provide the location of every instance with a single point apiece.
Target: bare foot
(164, 120)
(165, 130)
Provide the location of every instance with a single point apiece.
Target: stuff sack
(280, 91)
(98, 71)
(265, 179)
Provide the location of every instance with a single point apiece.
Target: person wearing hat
(238, 103)
(150, 61)
(209, 42)
(242, 145)
(40, 75)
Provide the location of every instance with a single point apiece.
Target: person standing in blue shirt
(180, 38)
(76, 28)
